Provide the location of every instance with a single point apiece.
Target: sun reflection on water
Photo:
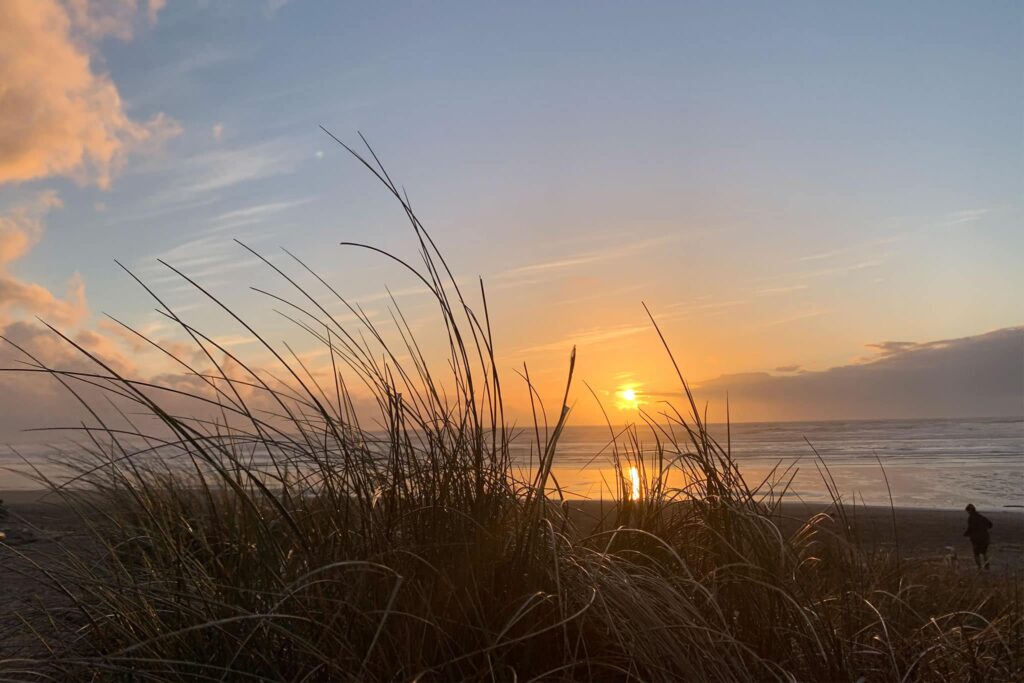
(634, 477)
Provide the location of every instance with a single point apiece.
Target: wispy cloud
(699, 305)
(824, 272)
(796, 317)
(587, 337)
(602, 295)
(258, 211)
(203, 257)
(215, 266)
(253, 214)
(216, 170)
(964, 217)
(586, 258)
(774, 291)
(861, 247)
(235, 340)
(195, 178)
(820, 255)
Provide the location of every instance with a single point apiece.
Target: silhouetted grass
(245, 525)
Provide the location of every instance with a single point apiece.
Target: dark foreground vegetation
(278, 538)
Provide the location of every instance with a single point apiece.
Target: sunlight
(629, 398)
(634, 476)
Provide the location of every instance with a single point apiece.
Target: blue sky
(811, 177)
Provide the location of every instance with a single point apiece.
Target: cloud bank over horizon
(977, 376)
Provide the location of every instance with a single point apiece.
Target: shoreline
(19, 496)
(30, 496)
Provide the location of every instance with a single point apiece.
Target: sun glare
(634, 477)
(628, 398)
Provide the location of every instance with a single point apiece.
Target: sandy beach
(36, 522)
(924, 534)
(39, 528)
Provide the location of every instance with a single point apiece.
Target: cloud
(30, 400)
(58, 116)
(20, 230)
(890, 348)
(699, 304)
(588, 337)
(773, 291)
(98, 19)
(586, 258)
(795, 317)
(964, 217)
(156, 332)
(210, 255)
(153, 8)
(253, 214)
(210, 172)
(980, 375)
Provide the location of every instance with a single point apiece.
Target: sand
(37, 521)
(923, 534)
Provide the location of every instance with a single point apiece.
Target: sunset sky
(791, 188)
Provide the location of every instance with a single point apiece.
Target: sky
(819, 204)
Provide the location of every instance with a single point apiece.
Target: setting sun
(628, 398)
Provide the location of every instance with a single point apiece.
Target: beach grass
(253, 523)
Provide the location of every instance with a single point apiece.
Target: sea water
(928, 463)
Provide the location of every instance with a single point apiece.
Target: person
(977, 530)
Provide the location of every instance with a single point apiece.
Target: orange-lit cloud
(20, 229)
(58, 115)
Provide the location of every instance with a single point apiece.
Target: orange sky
(783, 202)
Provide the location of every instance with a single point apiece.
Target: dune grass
(244, 524)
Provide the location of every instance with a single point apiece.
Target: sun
(628, 398)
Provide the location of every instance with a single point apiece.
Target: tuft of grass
(244, 524)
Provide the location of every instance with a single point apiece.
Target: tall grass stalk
(248, 523)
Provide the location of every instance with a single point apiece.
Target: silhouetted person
(977, 530)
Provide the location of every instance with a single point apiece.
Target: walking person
(977, 530)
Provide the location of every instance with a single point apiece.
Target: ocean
(929, 463)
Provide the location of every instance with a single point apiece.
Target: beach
(41, 529)
(37, 520)
(38, 525)
(925, 535)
